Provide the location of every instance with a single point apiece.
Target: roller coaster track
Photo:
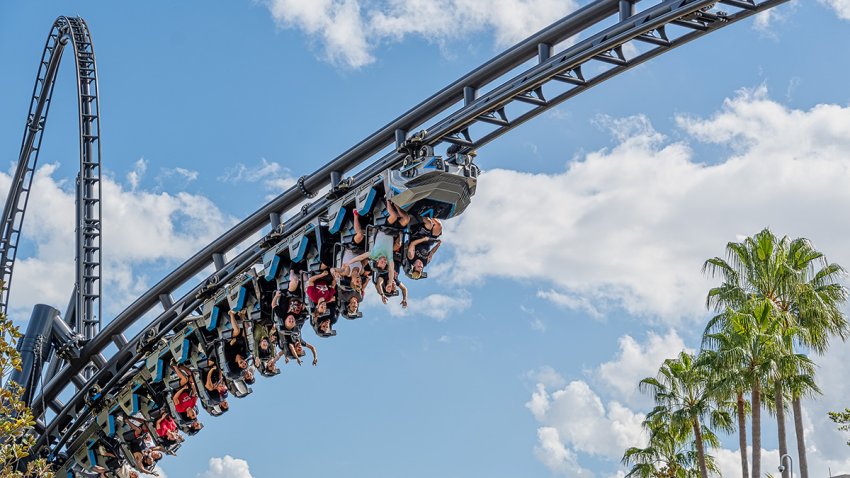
(84, 312)
(510, 89)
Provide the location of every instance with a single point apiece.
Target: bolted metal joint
(303, 188)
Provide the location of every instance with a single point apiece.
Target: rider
(216, 386)
(419, 253)
(185, 398)
(236, 350)
(166, 429)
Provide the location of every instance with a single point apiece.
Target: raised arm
(358, 258)
(312, 280)
(411, 248)
(403, 294)
(315, 355)
(192, 386)
(137, 457)
(379, 286)
(209, 385)
(391, 269)
(434, 249)
(180, 391)
(236, 329)
(294, 353)
(276, 299)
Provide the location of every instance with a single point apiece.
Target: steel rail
(504, 62)
(654, 17)
(87, 289)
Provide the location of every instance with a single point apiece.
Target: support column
(627, 9)
(34, 348)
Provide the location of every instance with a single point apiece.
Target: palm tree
(746, 341)
(730, 384)
(815, 308)
(803, 289)
(669, 453)
(681, 394)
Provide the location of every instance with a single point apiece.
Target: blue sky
(574, 273)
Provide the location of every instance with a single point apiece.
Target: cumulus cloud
(571, 301)
(139, 228)
(552, 453)
(348, 31)
(584, 422)
(547, 377)
(576, 420)
(436, 306)
(227, 467)
(729, 461)
(841, 7)
(630, 226)
(822, 434)
(635, 361)
(135, 176)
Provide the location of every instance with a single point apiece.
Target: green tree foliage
(683, 399)
(16, 420)
(670, 452)
(843, 419)
(805, 298)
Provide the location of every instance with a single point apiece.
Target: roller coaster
(378, 216)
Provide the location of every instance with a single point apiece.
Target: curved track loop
(483, 98)
(85, 310)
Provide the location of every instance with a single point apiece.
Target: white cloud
(227, 467)
(822, 434)
(729, 462)
(584, 423)
(274, 177)
(139, 228)
(436, 306)
(348, 31)
(841, 7)
(265, 171)
(570, 301)
(636, 361)
(187, 175)
(552, 453)
(630, 226)
(547, 376)
(135, 176)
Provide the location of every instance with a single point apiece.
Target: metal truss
(515, 86)
(84, 313)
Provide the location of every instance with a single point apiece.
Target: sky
(574, 273)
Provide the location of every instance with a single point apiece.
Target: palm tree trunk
(756, 431)
(780, 423)
(700, 449)
(742, 435)
(801, 439)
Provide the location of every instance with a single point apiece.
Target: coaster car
(429, 185)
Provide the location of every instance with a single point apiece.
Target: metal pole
(790, 465)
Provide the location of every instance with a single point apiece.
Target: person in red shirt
(321, 289)
(166, 428)
(186, 397)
